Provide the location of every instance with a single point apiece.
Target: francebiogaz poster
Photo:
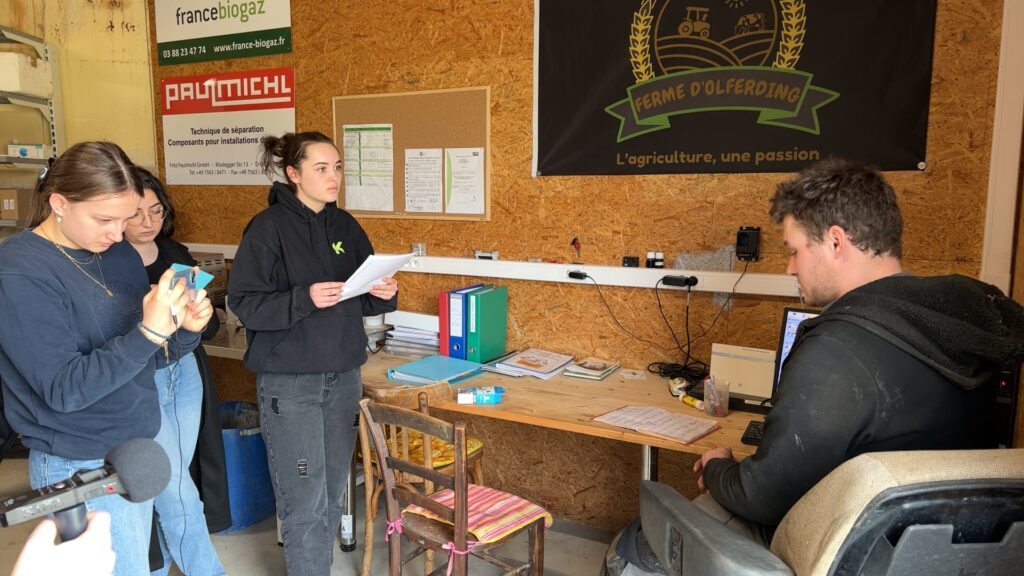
(202, 30)
(213, 124)
(696, 86)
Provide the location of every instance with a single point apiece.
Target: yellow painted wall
(103, 57)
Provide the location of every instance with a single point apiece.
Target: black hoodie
(902, 363)
(285, 249)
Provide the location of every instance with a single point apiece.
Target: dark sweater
(897, 364)
(285, 249)
(78, 375)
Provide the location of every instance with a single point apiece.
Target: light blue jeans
(129, 523)
(308, 425)
(179, 509)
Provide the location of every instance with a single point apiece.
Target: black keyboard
(752, 435)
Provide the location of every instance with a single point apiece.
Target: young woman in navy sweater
(81, 328)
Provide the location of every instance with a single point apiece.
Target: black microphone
(138, 470)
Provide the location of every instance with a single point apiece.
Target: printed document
(370, 273)
(660, 422)
(369, 166)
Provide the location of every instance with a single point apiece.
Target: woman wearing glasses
(182, 527)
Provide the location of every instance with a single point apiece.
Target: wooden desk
(227, 342)
(565, 403)
(561, 403)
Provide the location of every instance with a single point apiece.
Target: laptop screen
(791, 318)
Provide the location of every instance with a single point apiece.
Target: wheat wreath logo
(693, 56)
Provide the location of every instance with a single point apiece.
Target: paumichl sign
(213, 124)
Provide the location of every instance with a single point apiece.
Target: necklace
(78, 265)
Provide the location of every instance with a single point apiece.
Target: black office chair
(891, 513)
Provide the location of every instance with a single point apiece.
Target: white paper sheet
(464, 181)
(423, 180)
(369, 166)
(369, 274)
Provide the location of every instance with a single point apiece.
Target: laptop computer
(791, 319)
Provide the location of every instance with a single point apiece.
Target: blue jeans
(308, 424)
(129, 523)
(179, 510)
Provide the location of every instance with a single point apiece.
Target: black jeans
(308, 426)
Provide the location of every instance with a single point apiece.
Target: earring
(59, 217)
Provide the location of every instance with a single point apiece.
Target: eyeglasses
(156, 214)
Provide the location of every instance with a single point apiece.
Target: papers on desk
(591, 369)
(660, 422)
(413, 335)
(534, 362)
(371, 271)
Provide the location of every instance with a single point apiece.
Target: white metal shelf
(25, 163)
(707, 281)
(50, 108)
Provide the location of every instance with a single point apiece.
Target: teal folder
(487, 321)
(433, 369)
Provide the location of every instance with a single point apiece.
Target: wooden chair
(409, 444)
(451, 521)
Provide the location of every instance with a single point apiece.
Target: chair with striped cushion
(459, 520)
(409, 444)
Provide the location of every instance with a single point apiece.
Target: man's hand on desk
(716, 452)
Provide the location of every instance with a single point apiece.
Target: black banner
(697, 86)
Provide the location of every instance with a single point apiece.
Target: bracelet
(153, 332)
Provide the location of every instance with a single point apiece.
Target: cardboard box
(15, 203)
(25, 75)
(39, 151)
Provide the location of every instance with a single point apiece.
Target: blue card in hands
(193, 282)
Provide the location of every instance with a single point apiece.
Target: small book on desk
(434, 369)
(660, 422)
(591, 368)
(536, 362)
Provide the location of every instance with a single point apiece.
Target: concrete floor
(569, 549)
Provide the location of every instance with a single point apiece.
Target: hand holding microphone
(92, 554)
(138, 470)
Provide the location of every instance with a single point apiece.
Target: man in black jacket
(894, 362)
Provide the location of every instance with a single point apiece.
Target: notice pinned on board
(368, 151)
(423, 180)
(464, 180)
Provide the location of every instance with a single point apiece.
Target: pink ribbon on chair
(393, 527)
(452, 551)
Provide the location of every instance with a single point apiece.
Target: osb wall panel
(407, 45)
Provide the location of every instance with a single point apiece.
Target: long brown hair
(288, 150)
(84, 171)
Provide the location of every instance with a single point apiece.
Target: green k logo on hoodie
(338, 248)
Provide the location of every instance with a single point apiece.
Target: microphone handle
(71, 522)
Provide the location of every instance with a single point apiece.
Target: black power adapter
(747, 239)
(679, 281)
(577, 274)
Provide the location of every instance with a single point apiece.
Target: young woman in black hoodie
(305, 345)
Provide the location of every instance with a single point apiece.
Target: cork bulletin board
(434, 120)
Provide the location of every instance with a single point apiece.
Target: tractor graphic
(695, 23)
(750, 23)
